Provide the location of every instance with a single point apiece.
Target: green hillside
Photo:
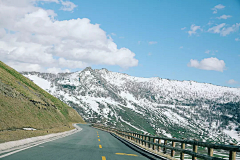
(24, 104)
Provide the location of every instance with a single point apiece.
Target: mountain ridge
(120, 100)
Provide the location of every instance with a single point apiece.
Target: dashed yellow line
(103, 158)
(100, 146)
(99, 140)
(126, 154)
(97, 136)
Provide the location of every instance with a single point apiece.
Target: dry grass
(24, 104)
(13, 135)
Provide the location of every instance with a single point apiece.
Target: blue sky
(183, 40)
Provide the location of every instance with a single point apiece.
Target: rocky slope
(154, 105)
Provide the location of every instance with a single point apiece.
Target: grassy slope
(24, 104)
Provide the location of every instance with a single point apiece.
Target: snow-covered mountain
(158, 106)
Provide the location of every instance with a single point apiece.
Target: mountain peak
(88, 69)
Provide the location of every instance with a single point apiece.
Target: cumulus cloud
(237, 39)
(152, 42)
(208, 64)
(232, 81)
(193, 30)
(31, 38)
(67, 6)
(224, 17)
(217, 7)
(19, 66)
(57, 70)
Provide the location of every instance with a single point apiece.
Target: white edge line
(38, 143)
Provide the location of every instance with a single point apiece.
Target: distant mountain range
(158, 106)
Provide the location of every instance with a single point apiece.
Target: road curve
(89, 144)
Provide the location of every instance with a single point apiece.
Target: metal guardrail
(154, 143)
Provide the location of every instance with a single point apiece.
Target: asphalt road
(88, 144)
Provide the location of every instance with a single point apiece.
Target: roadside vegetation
(24, 104)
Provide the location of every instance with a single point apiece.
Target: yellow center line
(99, 140)
(127, 154)
(100, 146)
(103, 158)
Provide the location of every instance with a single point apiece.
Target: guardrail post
(173, 145)
(142, 139)
(159, 142)
(145, 140)
(232, 154)
(154, 141)
(195, 147)
(210, 152)
(149, 142)
(182, 154)
(165, 149)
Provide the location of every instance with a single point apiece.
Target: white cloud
(211, 52)
(224, 31)
(139, 42)
(217, 7)
(38, 40)
(121, 37)
(208, 64)
(237, 39)
(210, 23)
(67, 6)
(216, 29)
(152, 42)
(25, 66)
(113, 34)
(57, 70)
(224, 17)
(181, 47)
(149, 54)
(56, 1)
(207, 51)
(233, 28)
(183, 28)
(193, 30)
(232, 81)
